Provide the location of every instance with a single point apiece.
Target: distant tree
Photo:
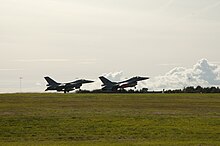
(144, 90)
(190, 89)
(213, 90)
(199, 89)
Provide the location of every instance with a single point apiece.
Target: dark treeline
(190, 89)
(197, 89)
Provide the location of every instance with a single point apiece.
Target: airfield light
(20, 78)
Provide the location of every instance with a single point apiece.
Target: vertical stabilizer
(105, 81)
(50, 81)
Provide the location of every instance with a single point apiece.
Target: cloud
(115, 76)
(202, 73)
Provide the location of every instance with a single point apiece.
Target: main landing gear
(66, 91)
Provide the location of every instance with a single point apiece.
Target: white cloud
(115, 76)
(202, 73)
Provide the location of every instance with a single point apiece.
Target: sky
(71, 39)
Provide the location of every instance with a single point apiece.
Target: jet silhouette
(65, 87)
(114, 86)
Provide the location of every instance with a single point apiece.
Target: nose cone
(143, 78)
(88, 81)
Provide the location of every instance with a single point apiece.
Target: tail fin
(105, 81)
(50, 81)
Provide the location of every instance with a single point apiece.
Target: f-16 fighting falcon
(65, 87)
(114, 86)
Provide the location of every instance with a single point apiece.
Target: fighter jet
(65, 87)
(114, 86)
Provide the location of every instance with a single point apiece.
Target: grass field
(110, 119)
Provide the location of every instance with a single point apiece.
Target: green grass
(110, 119)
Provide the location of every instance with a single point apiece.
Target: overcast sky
(69, 39)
